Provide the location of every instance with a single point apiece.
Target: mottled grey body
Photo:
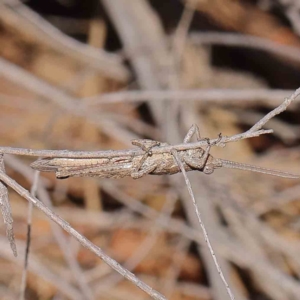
(148, 163)
(119, 167)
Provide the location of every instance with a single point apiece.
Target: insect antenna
(241, 166)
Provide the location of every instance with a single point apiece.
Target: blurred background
(93, 75)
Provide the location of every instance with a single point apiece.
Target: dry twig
(247, 41)
(188, 184)
(33, 190)
(226, 96)
(82, 240)
(6, 211)
(108, 64)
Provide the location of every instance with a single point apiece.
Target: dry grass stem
(108, 64)
(33, 191)
(81, 239)
(190, 190)
(247, 41)
(226, 96)
(6, 211)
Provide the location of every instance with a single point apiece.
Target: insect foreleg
(146, 169)
(193, 130)
(145, 145)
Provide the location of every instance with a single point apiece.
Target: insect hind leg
(201, 163)
(198, 163)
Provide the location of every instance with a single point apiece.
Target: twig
(282, 107)
(194, 290)
(141, 31)
(6, 211)
(252, 132)
(247, 41)
(84, 241)
(180, 34)
(174, 270)
(227, 96)
(108, 64)
(173, 67)
(146, 245)
(173, 225)
(116, 153)
(292, 13)
(68, 253)
(229, 248)
(285, 131)
(33, 190)
(189, 187)
(57, 280)
(61, 99)
(249, 236)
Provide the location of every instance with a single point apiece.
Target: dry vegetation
(84, 75)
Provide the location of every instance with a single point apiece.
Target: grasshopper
(148, 163)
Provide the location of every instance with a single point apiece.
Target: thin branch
(62, 99)
(129, 152)
(172, 274)
(36, 267)
(190, 190)
(58, 234)
(33, 190)
(231, 249)
(180, 35)
(146, 245)
(254, 131)
(6, 211)
(222, 96)
(107, 63)
(282, 107)
(81, 239)
(247, 41)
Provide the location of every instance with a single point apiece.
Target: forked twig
(276, 111)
